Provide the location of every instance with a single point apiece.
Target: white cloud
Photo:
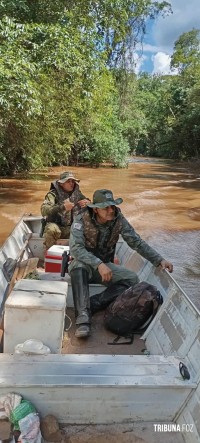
(161, 64)
(146, 47)
(138, 62)
(135, 61)
(185, 17)
(161, 36)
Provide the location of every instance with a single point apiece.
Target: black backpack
(133, 310)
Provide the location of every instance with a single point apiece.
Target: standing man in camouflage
(93, 239)
(63, 201)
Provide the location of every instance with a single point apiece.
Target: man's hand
(68, 205)
(83, 203)
(105, 272)
(164, 264)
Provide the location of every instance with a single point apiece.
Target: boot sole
(82, 334)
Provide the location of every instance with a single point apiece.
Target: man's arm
(77, 245)
(51, 208)
(49, 205)
(83, 201)
(135, 242)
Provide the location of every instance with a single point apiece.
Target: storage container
(53, 258)
(35, 309)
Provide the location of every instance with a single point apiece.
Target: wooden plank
(26, 267)
(21, 270)
(23, 266)
(22, 250)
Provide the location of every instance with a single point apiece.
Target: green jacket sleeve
(49, 206)
(135, 242)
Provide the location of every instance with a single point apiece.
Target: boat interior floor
(120, 433)
(99, 340)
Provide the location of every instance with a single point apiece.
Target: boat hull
(87, 386)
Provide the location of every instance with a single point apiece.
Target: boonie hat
(103, 198)
(68, 175)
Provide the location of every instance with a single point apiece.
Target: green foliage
(186, 95)
(186, 50)
(58, 99)
(38, 11)
(161, 114)
(100, 138)
(44, 80)
(68, 93)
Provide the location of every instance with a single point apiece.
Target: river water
(161, 201)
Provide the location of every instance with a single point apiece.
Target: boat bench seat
(55, 277)
(98, 388)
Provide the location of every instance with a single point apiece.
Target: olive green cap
(67, 175)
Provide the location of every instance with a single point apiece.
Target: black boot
(80, 290)
(99, 302)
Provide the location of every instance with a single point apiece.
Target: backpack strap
(116, 339)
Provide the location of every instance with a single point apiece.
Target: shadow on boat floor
(98, 341)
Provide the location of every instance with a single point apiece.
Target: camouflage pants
(118, 273)
(53, 232)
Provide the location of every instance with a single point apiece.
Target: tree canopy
(68, 93)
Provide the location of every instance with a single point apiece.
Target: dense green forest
(69, 94)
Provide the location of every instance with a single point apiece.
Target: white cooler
(35, 309)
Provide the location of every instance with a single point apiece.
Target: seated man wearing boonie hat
(63, 201)
(93, 238)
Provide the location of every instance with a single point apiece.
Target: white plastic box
(35, 309)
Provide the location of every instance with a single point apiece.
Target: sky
(158, 44)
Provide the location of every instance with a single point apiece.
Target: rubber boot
(100, 301)
(80, 290)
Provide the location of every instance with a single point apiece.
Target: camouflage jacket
(106, 251)
(53, 209)
(100, 236)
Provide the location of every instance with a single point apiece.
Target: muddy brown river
(160, 200)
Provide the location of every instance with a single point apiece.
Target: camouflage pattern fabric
(84, 258)
(91, 232)
(58, 219)
(53, 232)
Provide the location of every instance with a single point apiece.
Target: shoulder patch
(77, 226)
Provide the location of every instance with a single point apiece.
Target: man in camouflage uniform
(93, 239)
(63, 201)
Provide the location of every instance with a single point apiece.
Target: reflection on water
(161, 201)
